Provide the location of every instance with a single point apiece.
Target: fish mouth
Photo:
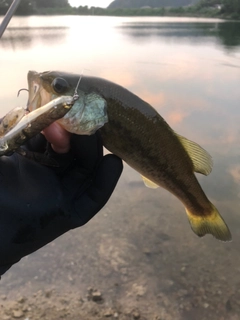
(38, 95)
(89, 112)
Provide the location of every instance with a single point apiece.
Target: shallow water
(139, 250)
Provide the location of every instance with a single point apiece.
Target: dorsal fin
(148, 183)
(202, 161)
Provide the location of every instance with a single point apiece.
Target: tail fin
(212, 224)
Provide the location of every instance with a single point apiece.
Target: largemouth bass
(134, 131)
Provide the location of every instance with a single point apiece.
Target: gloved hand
(39, 203)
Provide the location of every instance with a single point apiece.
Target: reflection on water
(227, 33)
(140, 251)
(25, 37)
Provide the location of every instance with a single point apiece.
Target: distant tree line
(231, 7)
(32, 6)
(131, 4)
(207, 8)
(227, 5)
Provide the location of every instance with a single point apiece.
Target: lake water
(139, 251)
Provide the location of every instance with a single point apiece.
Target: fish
(19, 125)
(134, 131)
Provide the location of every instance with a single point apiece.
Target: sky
(90, 3)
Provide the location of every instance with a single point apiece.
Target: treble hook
(23, 89)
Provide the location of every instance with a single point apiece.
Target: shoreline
(161, 12)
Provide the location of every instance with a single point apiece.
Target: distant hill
(150, 3)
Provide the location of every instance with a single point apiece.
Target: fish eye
(60, 85)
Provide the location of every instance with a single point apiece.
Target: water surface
(189, 70)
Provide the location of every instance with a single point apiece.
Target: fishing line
(76, 95)
(79, 80)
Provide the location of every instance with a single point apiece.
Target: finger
(87, 150)
(58, 137)
(96, 196)
(37, 143)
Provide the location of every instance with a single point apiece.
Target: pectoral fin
(148, 183)
(202, 161)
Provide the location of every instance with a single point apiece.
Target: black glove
(39, 203)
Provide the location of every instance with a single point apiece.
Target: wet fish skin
(141, 137)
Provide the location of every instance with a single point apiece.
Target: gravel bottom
(137, 259)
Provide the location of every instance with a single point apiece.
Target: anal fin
(148, 183)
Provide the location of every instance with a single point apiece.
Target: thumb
(58, 137)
